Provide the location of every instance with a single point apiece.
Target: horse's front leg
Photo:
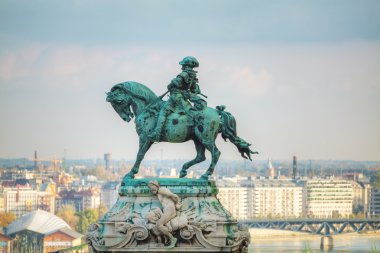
(143, 148)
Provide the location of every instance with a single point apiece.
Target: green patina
(183, 117)
(183, 186)
(143, 214)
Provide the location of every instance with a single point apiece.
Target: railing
(317, 226)
(83, 248)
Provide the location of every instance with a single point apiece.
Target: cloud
(303, 94)
(248, 82)
(19, 63)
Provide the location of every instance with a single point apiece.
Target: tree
(92, 215)
(67, 213)
(358, 209)
(101, 173)
(375, 180)
(6, 218)
(86, 218)
(102, 209)
(83, 223)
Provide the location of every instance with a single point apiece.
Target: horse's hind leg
(215, 154)
(143, 148)
(199, 158)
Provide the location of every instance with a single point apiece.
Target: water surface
(342, 243)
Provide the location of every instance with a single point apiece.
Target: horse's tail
(228, 129)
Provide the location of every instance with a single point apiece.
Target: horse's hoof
(127, 177)
(204, 177)
(182, 174)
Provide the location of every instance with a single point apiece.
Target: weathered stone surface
(201, 223)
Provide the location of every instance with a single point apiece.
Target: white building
(91, 198)
(361, 197)
(276, 198)
(236, 200)
(109, 193)
(247, 199)
(20, 200)
(326, 198)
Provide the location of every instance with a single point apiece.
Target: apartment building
(328, 198)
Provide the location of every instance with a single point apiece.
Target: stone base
(202, 224)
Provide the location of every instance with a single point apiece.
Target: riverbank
(270, 241)
(271, 234)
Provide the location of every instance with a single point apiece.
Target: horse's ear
(114, 88)
(117, 87)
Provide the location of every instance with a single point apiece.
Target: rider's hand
(186, 94)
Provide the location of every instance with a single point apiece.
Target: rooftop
(38, 221)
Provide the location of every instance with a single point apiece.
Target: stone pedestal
(201, 223)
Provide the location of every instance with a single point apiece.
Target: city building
(374, 202)
(91, 198)
(253, 198)
(271, 171)
(109, 193)
(2, 200)
(328, 198)
(80, 200)
(360, 197)
(46, 197)
(276, 198)
(235, 199)
(19, 200)
(41, 232)
(63, 179)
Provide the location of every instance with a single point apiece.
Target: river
(342, 243)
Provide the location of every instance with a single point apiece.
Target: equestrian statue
(183, 117)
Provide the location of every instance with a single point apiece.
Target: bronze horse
(132, 99)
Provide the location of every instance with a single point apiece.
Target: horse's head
(121, 102)
(124, 96)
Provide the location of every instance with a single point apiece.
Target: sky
(301, 77)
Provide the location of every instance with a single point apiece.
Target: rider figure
(182, 88)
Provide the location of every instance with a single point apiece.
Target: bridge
(317, 226)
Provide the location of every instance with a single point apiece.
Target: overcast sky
(301, 77)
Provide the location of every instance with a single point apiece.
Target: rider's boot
(156, 134)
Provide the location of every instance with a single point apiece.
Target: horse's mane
(137, 90)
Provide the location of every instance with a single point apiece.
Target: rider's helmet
(189, 61)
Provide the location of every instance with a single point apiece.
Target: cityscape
(91, 89)
(58, 199)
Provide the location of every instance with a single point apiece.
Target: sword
(203, 95)
(163, 95)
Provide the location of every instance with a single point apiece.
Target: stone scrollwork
(119, 213)
(94, 237)
(187, 233)
(122, 227)
(139, 232)
(160, 218)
